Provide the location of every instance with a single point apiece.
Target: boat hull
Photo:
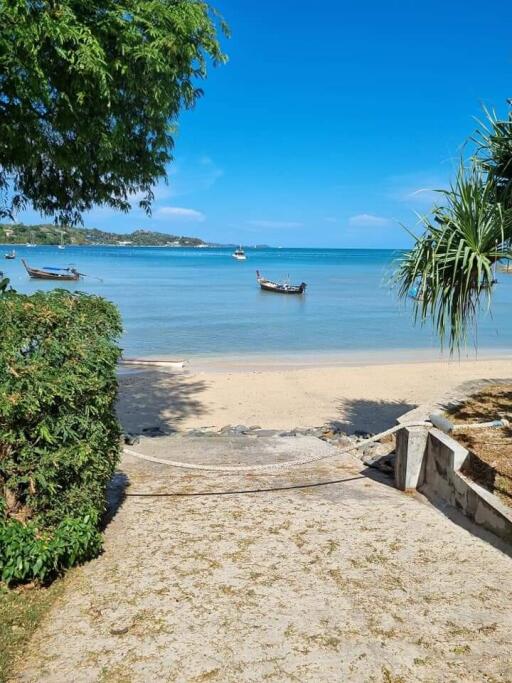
(282, 289)
(38, 274)
(279, 287)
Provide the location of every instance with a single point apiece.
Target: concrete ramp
(316, 573)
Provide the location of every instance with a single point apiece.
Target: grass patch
(21, 611)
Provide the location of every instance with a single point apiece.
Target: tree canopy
(89, 96)
(451, 267)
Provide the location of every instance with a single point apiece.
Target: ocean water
(201, 302)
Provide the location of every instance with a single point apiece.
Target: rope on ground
(277, 465)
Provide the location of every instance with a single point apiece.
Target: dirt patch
(491, 403)
(490, 460)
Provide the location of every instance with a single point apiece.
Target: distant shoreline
(46, 234)
(249, 247)
(123, 246)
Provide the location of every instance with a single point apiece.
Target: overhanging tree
(89, 96)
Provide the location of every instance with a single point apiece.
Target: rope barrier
(273, 466)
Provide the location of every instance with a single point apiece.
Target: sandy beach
(274, 393)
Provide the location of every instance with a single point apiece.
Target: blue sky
(331, 123)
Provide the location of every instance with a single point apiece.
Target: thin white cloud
(180, 213)
(423, 195)
(160, 191)
(416, 188)
(193, 175)
(275, 224)
(330, 219)
(369, 220)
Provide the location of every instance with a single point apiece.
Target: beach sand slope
(366, 397)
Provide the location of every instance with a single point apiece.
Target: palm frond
(452, 263)
(494, 144)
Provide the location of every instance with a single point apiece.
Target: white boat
(164, 363)
(239, 254)
(61, 245)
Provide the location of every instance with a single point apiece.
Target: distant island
(18, 233)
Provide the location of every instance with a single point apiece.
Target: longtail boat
(280, 287)
(50, 273)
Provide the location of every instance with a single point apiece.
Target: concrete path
(320, 573)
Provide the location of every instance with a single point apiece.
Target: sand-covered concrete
(316, 574)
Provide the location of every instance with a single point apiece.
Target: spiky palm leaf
(453, 260)
(494, 146)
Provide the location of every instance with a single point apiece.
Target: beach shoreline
(325, 359)
(277, 394)
(293, 360)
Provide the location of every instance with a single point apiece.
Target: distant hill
(19, 233)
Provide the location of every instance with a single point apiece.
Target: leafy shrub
(59, 435)
(27, 553)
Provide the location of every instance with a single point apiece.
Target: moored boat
(239, 254)
(164, 363)
(280, 287)
(10, 255)
(50, 273)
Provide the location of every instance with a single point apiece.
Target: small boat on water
(239, 254)
(51, 273)
(10, 255)
(156, 363)
(280, 287)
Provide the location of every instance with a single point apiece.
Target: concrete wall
(430, 461)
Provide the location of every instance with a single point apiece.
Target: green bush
(28, 553)
(59, 435)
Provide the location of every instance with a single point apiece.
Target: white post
(411, 447)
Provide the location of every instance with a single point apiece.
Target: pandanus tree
(495, 152)
(451, 266)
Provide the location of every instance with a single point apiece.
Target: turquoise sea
(201, 302)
